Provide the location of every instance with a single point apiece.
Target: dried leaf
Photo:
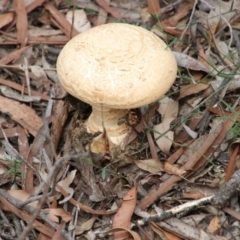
(213, 21)
(122, 218)
(59, 19)
(85, 226)
(150, 165)
(22, 195)
(214, 225)
(6, 18)
(14, 55)
(225, 51)
(54, 213)
(133, 234)
(22, 22)
(102, 15)
(39, 32)
(188, 62)
(109, 9)
(65, 183)
(190, 131)
(192, 89)
(164, 235)
(8, 92)
(51, 74)
(153, 6)
(59, 114)
(85, 207)
(164, 142)
(193, 195)
(172, 169)
(169, 110)
(81, 22)
(195, 146)
(22, 114)
(183, 9)
(18, 87)
(27, 217)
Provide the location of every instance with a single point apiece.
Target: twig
(27, 76)
(232, 187)
(17, 224)
(3, 217)
(170, 213)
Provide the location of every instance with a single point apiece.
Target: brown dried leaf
(150, 165)
(6, 18)
(14, 55)
(22, 114)
(183, 9)
(214, 225)
(152, 146)
(9, 132)
(59, 19)
(22, 195)
(27, 173)
(22, 22)
(153, 6)
(59, 114)
(122, 218)
(109, 9)
(133, 234)
(193, 149)
(233, 153)
(58, 233)
(192, 89)
(165, 235)
(172, 169)
(54, 213)
(193, 195)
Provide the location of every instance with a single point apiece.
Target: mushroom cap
(117, 66)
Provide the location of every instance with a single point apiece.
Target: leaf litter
(181, 159)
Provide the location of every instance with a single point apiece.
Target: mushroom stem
(107, 120)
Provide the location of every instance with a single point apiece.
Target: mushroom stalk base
(108, 122)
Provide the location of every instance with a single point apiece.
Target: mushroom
(115, 67)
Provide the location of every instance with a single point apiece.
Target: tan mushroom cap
(117, 66)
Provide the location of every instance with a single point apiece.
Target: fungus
(115, 67)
